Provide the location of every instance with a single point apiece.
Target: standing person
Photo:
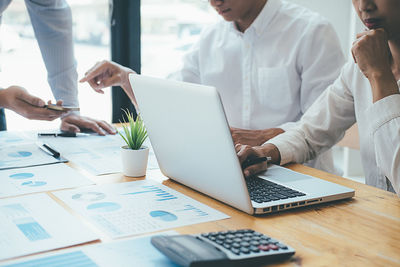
(52, 24)
(269, 61)
(366, 92)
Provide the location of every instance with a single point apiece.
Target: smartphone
(61, 108)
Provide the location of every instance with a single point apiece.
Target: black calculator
(227, 248)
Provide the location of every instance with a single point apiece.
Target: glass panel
(169, 28)
(21, 62)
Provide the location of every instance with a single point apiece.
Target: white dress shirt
(52, 23)
(346, 101)
(269, 75)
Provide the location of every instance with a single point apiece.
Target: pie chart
(20, 154)
(22, 175)
(104, 207)
(163, 215)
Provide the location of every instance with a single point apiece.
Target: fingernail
(246, 173)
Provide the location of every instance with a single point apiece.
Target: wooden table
(363, 231)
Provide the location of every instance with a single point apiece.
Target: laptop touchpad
(283, 175)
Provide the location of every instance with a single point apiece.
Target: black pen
(64, 134)
(252, 161)
(51, 151)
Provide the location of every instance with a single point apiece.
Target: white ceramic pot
(134, 162)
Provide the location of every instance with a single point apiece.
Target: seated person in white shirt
(20, 101)
(366, 92)
(269, 60)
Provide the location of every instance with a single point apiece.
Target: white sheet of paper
(24, 155)
(8, 138)
(137, 207)
(129, 252)
(16, 182)
(36, 223)
(97, 154)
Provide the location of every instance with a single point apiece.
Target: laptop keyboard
(261, 190)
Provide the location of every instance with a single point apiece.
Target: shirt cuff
(383, 111)
(284, 149)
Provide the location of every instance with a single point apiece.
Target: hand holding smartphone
(61, 108)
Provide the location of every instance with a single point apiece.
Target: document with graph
(137, 207)
(16, 182)
(25, 155)
(36, 223)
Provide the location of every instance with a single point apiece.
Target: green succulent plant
(135, 132)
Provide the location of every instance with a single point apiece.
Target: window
(21, 62)
(169, 28)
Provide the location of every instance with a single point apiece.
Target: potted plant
(134, 154)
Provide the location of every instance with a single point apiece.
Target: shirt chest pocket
(273, 89)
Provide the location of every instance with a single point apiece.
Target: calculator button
(219, 242)
(254, 249)
(282, 246)
(227, 246)
(273, 247)
(221, 237)
(235, 251)
(212, 238)
(236, 245)
(230, 236)
(247, 239)
(264, 247)
(254, 243)
(228, 241)
(273, 241)
(245, 244)
(264, 242)
(237, 240)
(205, 235)
(245, 250)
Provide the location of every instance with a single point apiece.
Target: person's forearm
(126, 85)
(383, 84)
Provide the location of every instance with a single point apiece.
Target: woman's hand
(372, 54)
(107, 73)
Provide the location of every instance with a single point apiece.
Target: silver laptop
(192, 142)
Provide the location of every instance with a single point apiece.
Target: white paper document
(130, 252)
(97, 154)
(36, 223)
(8, 138)
(137, 207)
(16, 182)
(24, 155)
